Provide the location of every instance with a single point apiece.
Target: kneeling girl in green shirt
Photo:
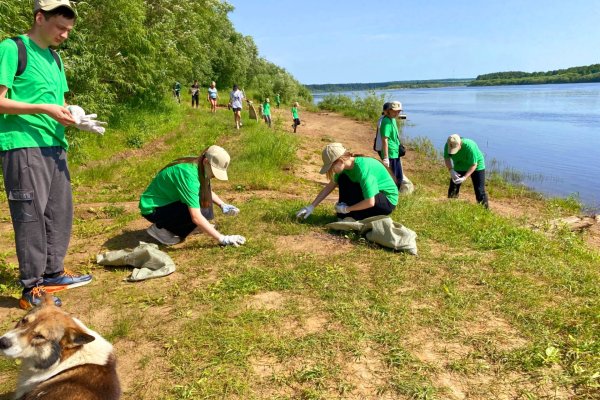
(180, 198)
(366, 188)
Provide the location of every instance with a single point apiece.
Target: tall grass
(261, 155)
(366, 108)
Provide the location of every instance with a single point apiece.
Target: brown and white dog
(62, 358)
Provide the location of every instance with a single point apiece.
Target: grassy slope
(489, 309)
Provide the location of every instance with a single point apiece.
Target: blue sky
(331, 41)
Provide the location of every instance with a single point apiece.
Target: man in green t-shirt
(33, 149)
(464, 159)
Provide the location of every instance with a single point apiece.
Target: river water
(550, 134)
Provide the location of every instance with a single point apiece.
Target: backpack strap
(22, 57)
(22, 51)
(56, 58)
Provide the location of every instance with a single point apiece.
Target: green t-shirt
(266, 109)
(373, 178)
(389, 129)
(178, 182)
(468, 155)
(294, 112)
(42, 82)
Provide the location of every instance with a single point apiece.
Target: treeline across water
(344, 87)
(127, 53)
(585, 74)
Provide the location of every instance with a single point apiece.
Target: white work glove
(341, 208)
(386, 162)
(305, 212)
(454, 175)
(232, 240)
(459, 180)
(86, 122)
(230, 210)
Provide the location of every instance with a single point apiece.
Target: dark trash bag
(401, 151)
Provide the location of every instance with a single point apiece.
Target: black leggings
(351, 193)
(175, 218)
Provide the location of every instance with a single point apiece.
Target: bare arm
(217, 200)
(362, 205)
(470, 171)
(203, 223)
(448, 162)
(384, 147)
(59, 113)
(324, 193)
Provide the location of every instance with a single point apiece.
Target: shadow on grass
(7, 396)
(128, 239)
(8, 302)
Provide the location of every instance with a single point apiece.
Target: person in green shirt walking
(180, 199)
(295, 115)
(277, 100)
(366, 188)
(267, 111)
(33, 149)
(464, 159)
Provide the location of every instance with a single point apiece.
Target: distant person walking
(177, 91)
(195, 91)
(267, 111)
(236, 97)
(295, 116)
(464, 159)
(277, 100)
(390, 139)
(212, 97)
(366, 188)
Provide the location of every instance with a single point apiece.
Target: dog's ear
(75, 337)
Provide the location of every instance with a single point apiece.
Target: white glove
(454, 175)
(232, 240)
(386, 162)
(86, 122)
(230, 210)
(459, 180)
(305, 212)
(341, 208)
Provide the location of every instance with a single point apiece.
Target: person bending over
(366, 188)
(180, 198)
(464, 159)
